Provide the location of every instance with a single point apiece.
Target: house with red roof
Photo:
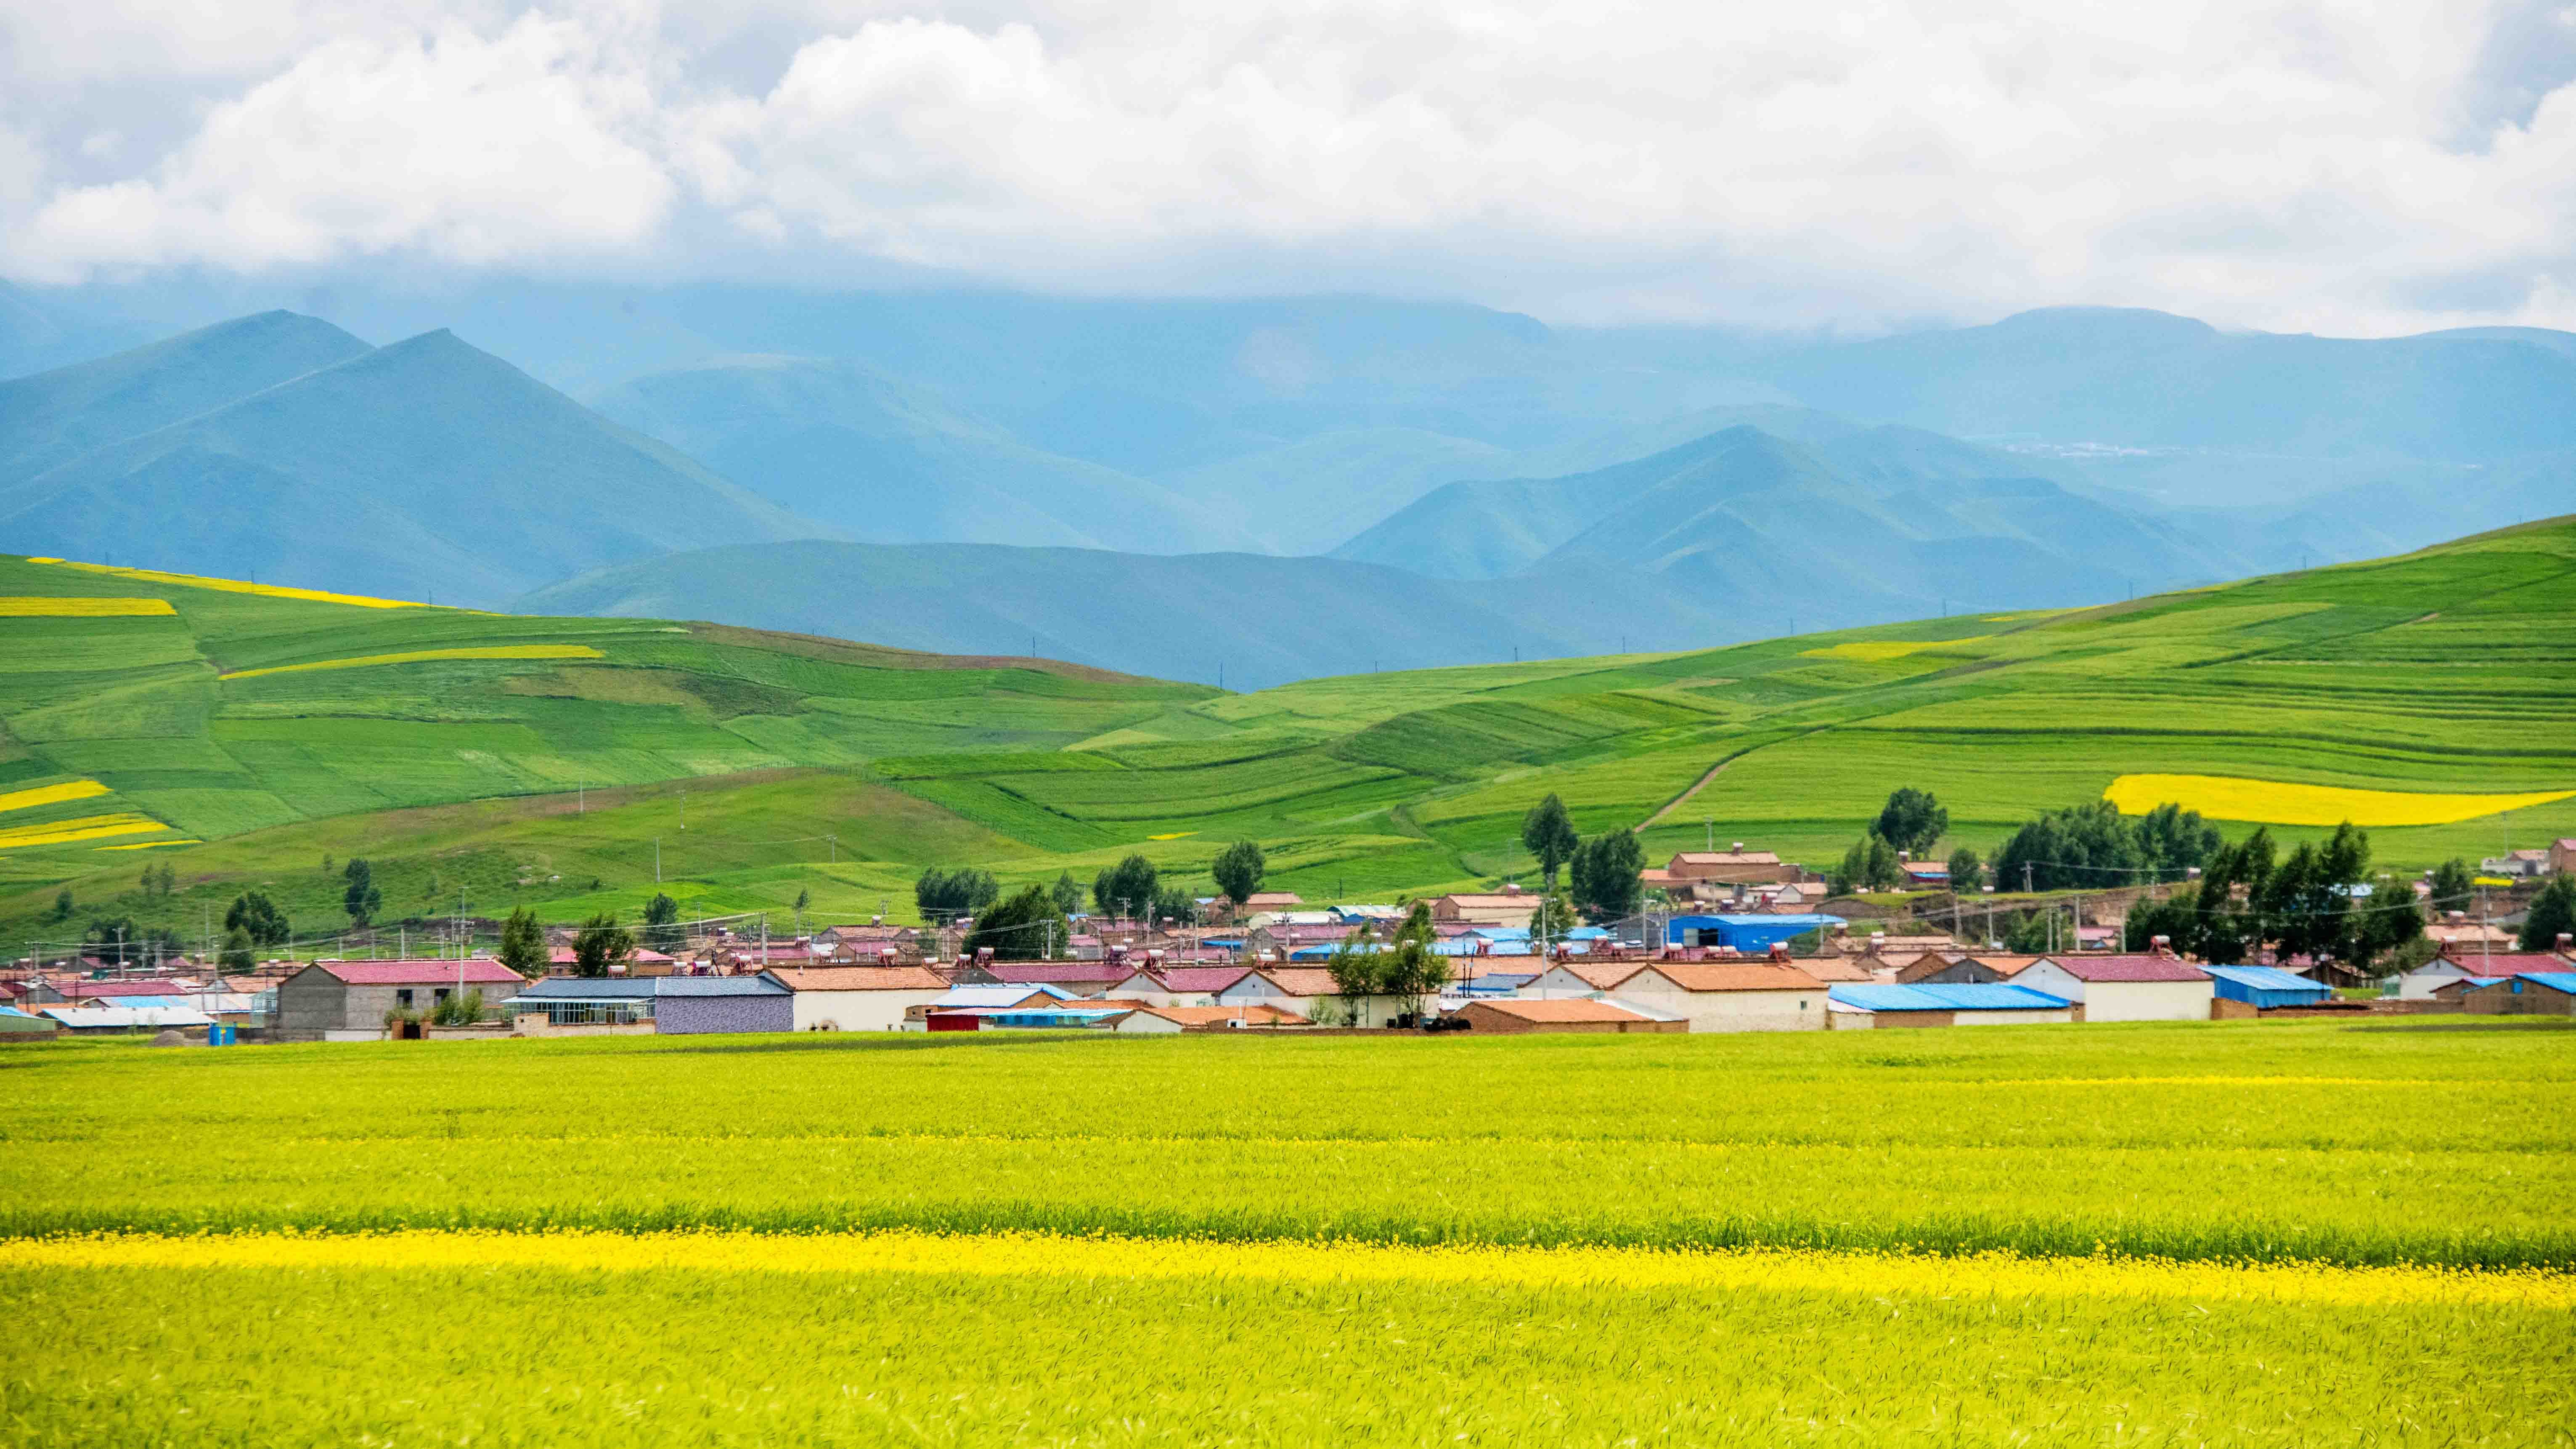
(1728, 995)
(2159, 986)
(349, 1000)
(1178, 985)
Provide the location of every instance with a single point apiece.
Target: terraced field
(498, 754)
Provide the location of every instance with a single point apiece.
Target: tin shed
(2266, 986)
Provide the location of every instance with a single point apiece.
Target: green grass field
(2130, 1235)
(839, 770)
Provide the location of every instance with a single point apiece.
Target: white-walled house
(857, 998)
(2124, 988)
(1177, 985)
(1308, 990)
(1729, 996)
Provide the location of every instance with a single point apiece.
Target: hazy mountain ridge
(426, 468)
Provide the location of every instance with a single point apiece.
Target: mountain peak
(2106, 323)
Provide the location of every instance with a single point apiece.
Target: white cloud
(2303, 165)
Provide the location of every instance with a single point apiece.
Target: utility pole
(657, 860)
(581, 797)
(835, 847)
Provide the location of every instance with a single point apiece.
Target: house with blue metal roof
(2266, 987)
(1854, 1005)
(2525, 993)
(1751, 935)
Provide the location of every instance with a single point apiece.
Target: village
(1729, 942)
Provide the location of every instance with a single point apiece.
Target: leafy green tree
(1605, 875)
(944, 895)
(63, 904)
(1238, 870)
(1173, 902)
(2553, 914)
(1548, 833)
(804, 898)
(239, 952)
(121, 940)
(600, 944)
(2454, 885)
(662, 929)
(1870, 865)
(2391, 925)
(2230, 931)
(523, 942)
(254, 912)
(1356, 970)
(1409, 969)
(1912, 819)
(1554, 917)
(1067, 893)
(1967, 871)
(1129, 887)
(1025, 927)
(2082, 847)
(360, 899)
(2176, 918)
(2172, 840)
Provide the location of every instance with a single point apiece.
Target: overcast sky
(2363, 167)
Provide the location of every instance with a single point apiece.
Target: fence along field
(2438, 673)
(1723, 1238)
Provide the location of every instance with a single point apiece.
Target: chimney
(2161, 946)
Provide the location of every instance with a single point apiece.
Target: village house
(2266, 988)
(1936, 968)
(1729, 995)
(668, 1005)
(1191, 986)
(1510, 906)
(856, 998)
(1309, 992)
(1150, 1019)
(1509, 1015)
(1874, 1004)
(2154, 987)
(2426, 981)
(349, 1000)
(1732, 866)
(2527, 993)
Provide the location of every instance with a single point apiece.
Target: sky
(2367, 167)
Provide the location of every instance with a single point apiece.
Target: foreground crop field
(565, 762)
(2351, 1233)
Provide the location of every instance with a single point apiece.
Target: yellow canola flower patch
(2274, 802)
(87, 827)
(153, 844)
(487, 651)
(231, 586)
(51, 794)
(1997, 1275)
(36, 606)
(1873, 651)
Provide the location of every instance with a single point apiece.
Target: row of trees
(2089, 845)
(1605, 869)
(2320, 900)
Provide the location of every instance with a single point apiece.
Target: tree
(944, 895)
(1173, 902)
(1870, 864)
(1355, 970)
(600, 944)
(2228, 932)
(1605, 875)
(63, 904)
(119, 939)
(2082, 847)
(2176, 918)
(1554, 917)
(2553, 914)
(662, 929)
(1912, 819)
(254, 912)
(1238, 870)
(1128, 887)
(239, 953)
(804, 898)
(361, 899)
(2454, 886)
(2172, 840)
(1026, 927)
(1409, 969)
(1548, 833)
(523, 942)
(2393, 923)
(160, 880)
(1067, 893)
(1967, 872)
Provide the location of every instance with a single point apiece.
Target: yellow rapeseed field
(2278, 802)
(86, 827)
(153, 844)
(1872, 651)
(50, 794)
(415, 656)
(1998, 1275)
(231, 586)
(37, 606)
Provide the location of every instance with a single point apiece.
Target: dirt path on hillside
(1678, 801)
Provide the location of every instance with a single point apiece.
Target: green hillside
(768, 765)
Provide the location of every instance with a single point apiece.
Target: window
(439, 995)
(403, 997)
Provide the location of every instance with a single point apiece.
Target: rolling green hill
(768, 765)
